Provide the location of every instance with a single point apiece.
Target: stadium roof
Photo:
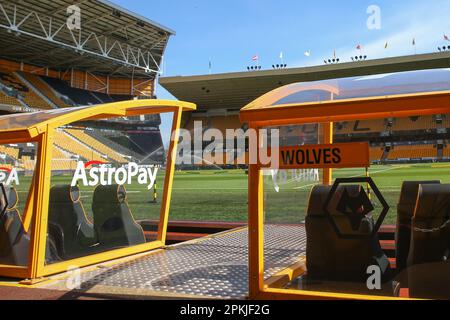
(112, 40)
(236, 90)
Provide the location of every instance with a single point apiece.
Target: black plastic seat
(69, 227)
(428, 266)
(14, 241)
(333, 258)
(405, 213)
(113, 220)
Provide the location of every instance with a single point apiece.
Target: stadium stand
(419, 123)
(8, 101)
(361, 127)
(71, 145)
(22, 92)
(96, 145)
(412, 152)
(40, 85)
(376, 153)
(78, 96)
(120, 149)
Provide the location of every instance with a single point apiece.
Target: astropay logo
(96, 172)
(8, 176)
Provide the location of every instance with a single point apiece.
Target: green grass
(222, 195)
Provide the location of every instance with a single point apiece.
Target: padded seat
(405, 213)
(332, 258)
(428, 267)
(113, 220)
(14, 241)
(69, 226)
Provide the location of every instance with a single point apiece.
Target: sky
(230, 32)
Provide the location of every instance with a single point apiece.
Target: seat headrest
(410, 189)
(13, 198)
(317, 198)
(433, 202)
(110, 194)
(65, 193)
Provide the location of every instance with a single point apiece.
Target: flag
(386, 45)
(281, 55)
(255, 58)
(414, 42)
(359, 47)
(446, 38)
(308, 53)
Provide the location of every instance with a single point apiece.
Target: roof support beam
(99, 46)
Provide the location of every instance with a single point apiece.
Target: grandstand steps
(113, 145)
(35, 90)
(86, 145)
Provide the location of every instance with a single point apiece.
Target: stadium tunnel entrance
(76, 182)
(357, 217)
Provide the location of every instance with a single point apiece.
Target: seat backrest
(331, 257)
(428, 267)
(113, 220)
(430, 225)
(14, 241)
(69, 226)
(405, 212)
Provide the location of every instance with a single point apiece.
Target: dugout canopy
(75, 182)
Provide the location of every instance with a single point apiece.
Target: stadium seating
(365, 126)
(408, 124)
(28, 96)
(96, 145)
(78, 96)
(43, 87)
(376, 153)
(8, 101)
(69, 144)
(118, 148)
(412, 152)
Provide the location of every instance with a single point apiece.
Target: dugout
(337, 244)
(59, 164)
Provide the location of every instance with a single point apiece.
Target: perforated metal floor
(213, 268)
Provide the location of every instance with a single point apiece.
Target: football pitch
(222, 195)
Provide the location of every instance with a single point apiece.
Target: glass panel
(25, 120)
(341, 239)
(358, 87)
(17, 167)
(107, 182)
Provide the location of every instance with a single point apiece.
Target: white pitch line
(359, 175)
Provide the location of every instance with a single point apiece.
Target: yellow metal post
(41, 199)
(170, 168)
(256, 229)
(328, 139)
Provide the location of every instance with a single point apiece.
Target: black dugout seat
(333, 258)
(405, 213)
(428, 265)
(14, 241)
(69, 227)
(113, 220)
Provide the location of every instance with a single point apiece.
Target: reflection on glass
(107, 181)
